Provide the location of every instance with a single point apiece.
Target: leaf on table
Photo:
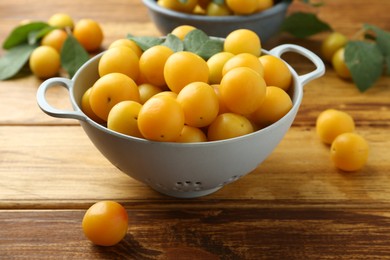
(199, 42)
(14, 60)
(73, 55)
(34, 36)
(21, 34)
(173, 42)
(145, 42)
(303, 25)
(382, 38)
(365, 62)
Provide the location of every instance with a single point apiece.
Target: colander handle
(305, 78)
(50, 110)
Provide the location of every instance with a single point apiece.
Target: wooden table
(295, 205)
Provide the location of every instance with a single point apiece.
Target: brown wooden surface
(295, 205)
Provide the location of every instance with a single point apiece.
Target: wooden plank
(369, 108)
(253, 233)
(57, 166)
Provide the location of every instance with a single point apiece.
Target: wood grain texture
(295, 205)
(60, 165)
(252, 233)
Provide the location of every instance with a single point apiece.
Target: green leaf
(303, 25)
(173, 42)
(145, 42)
(365, 62)
(382, 38)
(200, 43)
(14, 60)
(210, 48)
(195, 39)
(34, 36)
(21, 33)
(219, 2)
(73, 55)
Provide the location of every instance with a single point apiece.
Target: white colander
(179, 169)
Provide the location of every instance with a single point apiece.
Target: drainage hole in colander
(188, 185)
